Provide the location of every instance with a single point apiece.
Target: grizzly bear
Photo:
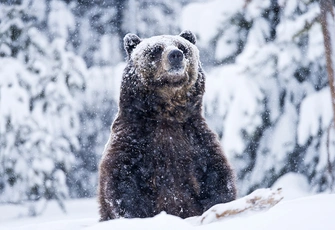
(161, 155)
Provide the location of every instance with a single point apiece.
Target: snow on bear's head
(164, 61)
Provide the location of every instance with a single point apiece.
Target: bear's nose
(175, 57)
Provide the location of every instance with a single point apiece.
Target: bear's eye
(156, 52)
(182, 48)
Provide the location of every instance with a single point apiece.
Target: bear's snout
(175, 58)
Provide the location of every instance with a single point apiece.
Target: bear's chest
(171, 144)
(165, 160)
(172, 153)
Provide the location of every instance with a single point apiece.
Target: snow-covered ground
(298, 210)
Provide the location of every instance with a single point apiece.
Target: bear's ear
(130, 41)
(189, 36)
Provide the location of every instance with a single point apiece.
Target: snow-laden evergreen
(269, 101)
(40, 84)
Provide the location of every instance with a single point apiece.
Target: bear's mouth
(177, 69)
(174, 78)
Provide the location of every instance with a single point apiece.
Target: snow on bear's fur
(161, 155)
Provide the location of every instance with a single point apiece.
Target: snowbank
(313, 212)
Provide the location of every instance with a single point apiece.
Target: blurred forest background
(267, 92)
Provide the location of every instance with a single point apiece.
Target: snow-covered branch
(259, 200)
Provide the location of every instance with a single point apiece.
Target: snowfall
(297, 210)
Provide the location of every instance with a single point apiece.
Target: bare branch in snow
(259, 200)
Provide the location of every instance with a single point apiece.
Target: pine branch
(307, 27)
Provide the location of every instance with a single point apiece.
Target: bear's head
(163, 78)
(164, 61)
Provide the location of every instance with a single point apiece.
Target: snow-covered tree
(99, 106)
(40, 81)
(152, 17)
(273, 78)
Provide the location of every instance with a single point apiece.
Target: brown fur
(161, 155)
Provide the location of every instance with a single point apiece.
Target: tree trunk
(327, 19)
